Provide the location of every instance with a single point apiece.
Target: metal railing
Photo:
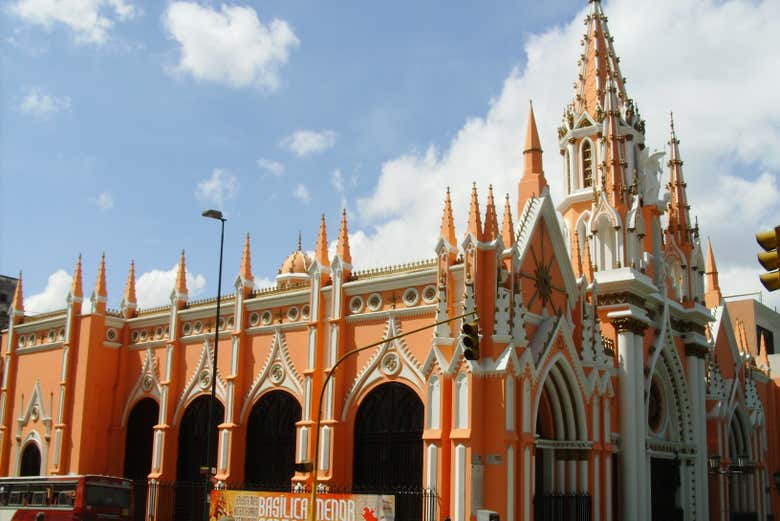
(563, 507)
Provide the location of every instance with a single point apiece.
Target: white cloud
(53, 295)
(153, 288)
(724, 123)
(104, 201)
(264, 282)
(40, 104)
(89, 20)
(230, 46)
(274, 168)
(302, 193)
(218, 188)
(337, 180)
(306, 142)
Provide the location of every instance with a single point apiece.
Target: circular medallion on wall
(267, 317)
(144, 335)
(158, 332)
(22, 341)
(204, 378)
(411, 297)
(34, 413)
(292, 314)
(111, 334)
(306, 312)
(186, 329)
(390, 364)
(374, 301)
(61, 333)
(356, 304)
(52, 336)
(197, 327)
(230, 323)
(276, 374)
(147, 382)
(254, 318)
(429, 294)
(134, 336)
(221, 323)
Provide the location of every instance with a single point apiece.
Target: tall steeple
(614, 160)
(76, 288)
(679, 223)
(246, 261)
(533, 182)
(179, 295)
(342, 246)
(321, 249)
(597, 63)
(712, 294)
(17, 303)
(507, 227)
(129, 302)
(491, 218)
(100, 293)
(447, 231)
(474, 226)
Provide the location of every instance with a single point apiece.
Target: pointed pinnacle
(17, 304)
(76, 288)
(321, 249)
(507, 226)
(342, 247)
(475, 220)
(447, 231)
(246, 259)
(100, 284)
(181, 276)
(130, 286)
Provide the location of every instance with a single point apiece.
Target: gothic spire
(342, 247)
(321, 249)
(181, 276)
(100, 283)
(507, 227)
(598, 62)
(129, 301)
(17, 303)
(679, 222)
(76, 288)
(533, 182)
(712, 295)
(491, 218)
(475, 220)
(447, 231)
(246, 261)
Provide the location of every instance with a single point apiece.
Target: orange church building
(613, 383)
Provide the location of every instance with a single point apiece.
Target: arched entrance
(270, 442)
(190, 486)
(139, 439)
(559, 459)
(388, 455)
(31, 461)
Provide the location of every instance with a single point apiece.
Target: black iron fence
(563, 507)
(186, 500)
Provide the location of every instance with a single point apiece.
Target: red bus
(59, 498)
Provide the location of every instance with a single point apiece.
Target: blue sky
(116, 134)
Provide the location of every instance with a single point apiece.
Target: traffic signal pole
(315, 464)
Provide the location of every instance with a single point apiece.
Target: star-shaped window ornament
(542, 275)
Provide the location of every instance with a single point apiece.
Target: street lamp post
(213, 214)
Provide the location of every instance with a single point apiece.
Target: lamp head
(213, 214)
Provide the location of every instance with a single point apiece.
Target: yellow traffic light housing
(769, 240)
(470, 332)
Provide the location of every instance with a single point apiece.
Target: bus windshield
(107, 496)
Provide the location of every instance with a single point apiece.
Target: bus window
(39, 498)
(15, 497)
(65, 498)
(103, 496)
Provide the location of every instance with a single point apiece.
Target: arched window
(587, 164)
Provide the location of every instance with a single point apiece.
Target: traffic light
(769, 260)
(470, 332)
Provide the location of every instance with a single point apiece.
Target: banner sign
(247, 505)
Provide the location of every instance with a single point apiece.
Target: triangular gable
(559, 329)
(200, 382)
(540, 209)
(35, 410)
(391, 359)
(278, 372)
(147, 384)
(723, 330)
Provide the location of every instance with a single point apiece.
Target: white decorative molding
(408, 368)
(200, 382)
(146, 386)
(278, 372)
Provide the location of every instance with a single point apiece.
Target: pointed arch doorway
(139, 440)
(193, 432)
(31, 460)
(388, 453)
